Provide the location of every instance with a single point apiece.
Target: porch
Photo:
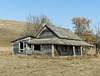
(52, 49)
(64, 50)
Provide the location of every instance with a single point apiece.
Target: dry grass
(12, 25)
(9, 30)
(21, 65)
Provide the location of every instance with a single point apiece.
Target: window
(37, 47)
(77, 49)
(21, 45)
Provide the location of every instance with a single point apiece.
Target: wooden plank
(74, 51)
(47, 34)
(52, 51)
(19, 46)
(81, 51)
(91, 52)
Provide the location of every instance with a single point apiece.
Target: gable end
(47, 33)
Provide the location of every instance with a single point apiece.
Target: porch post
(81, 51)
(33, 51)
(33, 47)
(52, 51)
(91, 52)
(19, 46)
(74, 51)
(26, 50)
(23, 47)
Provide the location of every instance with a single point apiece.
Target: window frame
(21, 49)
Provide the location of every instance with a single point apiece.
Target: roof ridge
(57, 27)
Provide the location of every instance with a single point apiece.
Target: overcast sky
(59, 11)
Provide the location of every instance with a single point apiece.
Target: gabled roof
(22, 38)
(63, 33)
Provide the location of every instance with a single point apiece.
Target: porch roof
(59, 42)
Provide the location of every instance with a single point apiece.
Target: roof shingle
(64, 33)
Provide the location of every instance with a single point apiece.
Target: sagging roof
(22, 38)
(59, 42)
(63, 33)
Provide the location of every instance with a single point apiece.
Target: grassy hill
(9, 30)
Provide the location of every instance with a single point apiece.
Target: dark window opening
(56, 47)
(25, 45)
(37, 47)
(21, 50)
(77, 49)
(29, 45)
(21, 45)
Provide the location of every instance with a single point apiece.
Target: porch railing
(29, 52)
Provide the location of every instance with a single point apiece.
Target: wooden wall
(47, 49)
(16, 46)
(15, 49)
(47, 34)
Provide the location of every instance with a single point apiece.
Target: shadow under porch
(64, 50)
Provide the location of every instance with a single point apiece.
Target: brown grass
(20, 65)
(9, 30)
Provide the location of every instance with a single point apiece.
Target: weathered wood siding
(47, 34)
(47, 49)
(15, 49)
(16, 46)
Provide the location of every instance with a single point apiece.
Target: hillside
(9, 30)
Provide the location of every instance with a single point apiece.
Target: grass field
(45, 66)
(9, 30)
(19, 65)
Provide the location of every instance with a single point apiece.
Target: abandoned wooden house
(52, 41)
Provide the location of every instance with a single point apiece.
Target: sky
(59, 11)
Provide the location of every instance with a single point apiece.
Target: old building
(52, 41)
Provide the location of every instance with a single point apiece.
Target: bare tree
(34, 24)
